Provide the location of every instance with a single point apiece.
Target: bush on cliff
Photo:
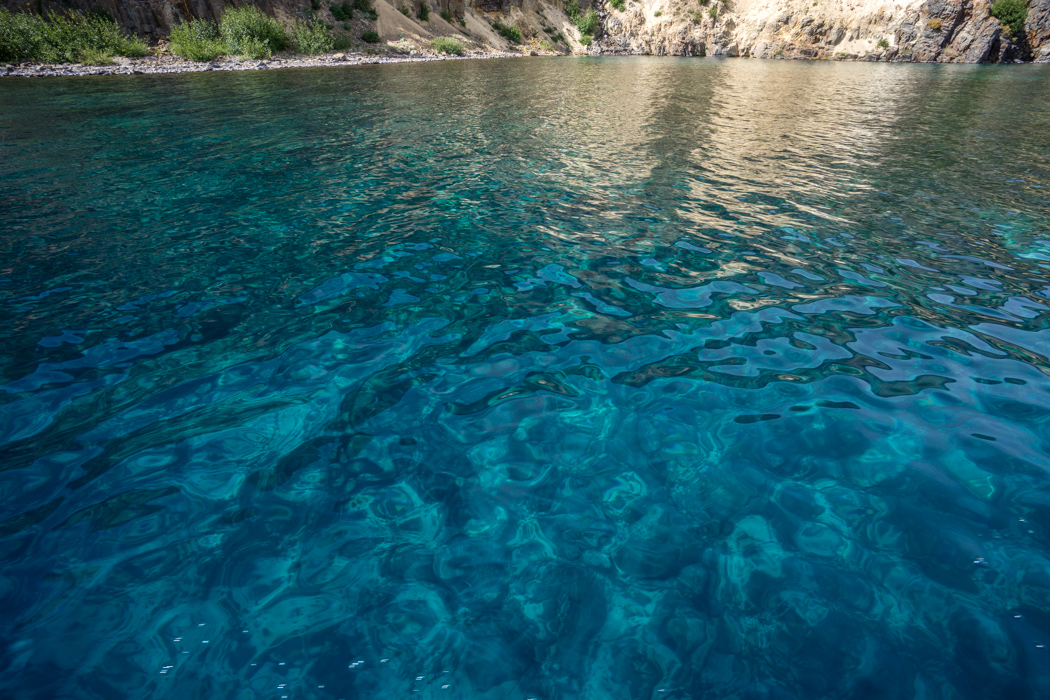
(1011, 13)
(585, 22)
(508, 31)
(248, 32)
(197, 40)
(311, 39)
(341, 42)
(588, 22)
(365, 8)
(63, 38)
(444, 44)
(618, 4)
(342, 11)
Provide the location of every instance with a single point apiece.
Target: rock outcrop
(943, 31)
(1037, 30)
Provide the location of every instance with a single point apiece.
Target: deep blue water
(570, 378)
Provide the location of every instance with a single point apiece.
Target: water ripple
(545, 379)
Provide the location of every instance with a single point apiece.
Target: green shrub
(248, 32)
(370, 36)
(424, 11)
(444, 44)
(713, 12)
(572, 9)
(508, 32)
(311, 39)
(92, 57)
(658, 13)
(340, 42)
(447, 16)
(405, 11)
(63, 38)
(198, 40)
(588, 22)
(22, 36)
(586, 39)
(365, 8)
(1011, 13)
(255, 49)
(883, 43)
(703, 3)
(935, 24)
(343, 12)
(618, 4)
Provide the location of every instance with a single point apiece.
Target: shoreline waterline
(155, 65)
(166, 64)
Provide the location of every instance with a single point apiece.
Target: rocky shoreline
(156, 64)
(888, 56)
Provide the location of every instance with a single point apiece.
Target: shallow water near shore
(569, 378)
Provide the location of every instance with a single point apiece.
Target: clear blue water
(571, 378)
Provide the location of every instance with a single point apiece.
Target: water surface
(569, 378)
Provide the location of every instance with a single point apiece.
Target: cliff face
(1037, 30)
(946, 31)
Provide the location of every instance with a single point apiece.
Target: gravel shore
(173, 64)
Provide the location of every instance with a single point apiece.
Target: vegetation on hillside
(1011, 13)
(444, 44)
(250, 33)
(197, 40)
(508, 31)
(344, 11)
(311, 39)
(64, 38)
(586, 22)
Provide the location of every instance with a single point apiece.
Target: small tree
(1011, 13)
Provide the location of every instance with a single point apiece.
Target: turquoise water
(569, 378)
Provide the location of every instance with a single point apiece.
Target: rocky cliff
(957, 31)
(945, 31)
